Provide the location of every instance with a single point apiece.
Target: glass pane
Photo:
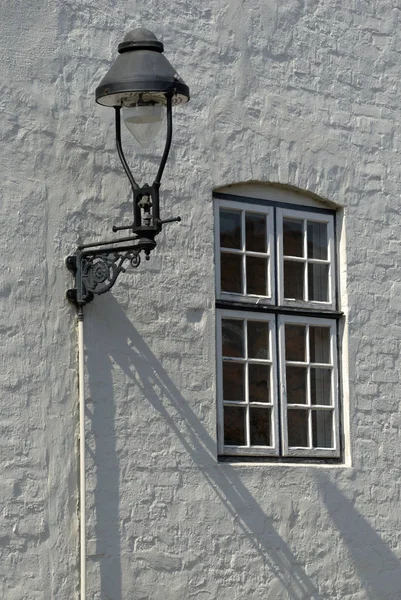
(320, 386)
(319, 338)
(233, 337)
(231, 273)
(259, 383)
(234, 426)
(294, 280)
(256, 275)
(317, 240)
(318, 282)
(322, 429)
(296, 385)
(233, 381)
(293, 237)
(295, 342)
(258, 339)
(255, 232)
(298, 428)
(230, 229)
(260, 427)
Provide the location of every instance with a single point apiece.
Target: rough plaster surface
(303, 93)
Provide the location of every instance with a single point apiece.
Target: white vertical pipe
(82, 480)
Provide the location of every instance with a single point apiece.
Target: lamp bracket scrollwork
(96, 267)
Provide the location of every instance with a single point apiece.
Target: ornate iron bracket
(97, 266)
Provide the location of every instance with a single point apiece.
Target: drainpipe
(82, 480)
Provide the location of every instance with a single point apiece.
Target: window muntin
(247, 383)
(244, 252)
(309, 386)
(300, 416)
(305, 265)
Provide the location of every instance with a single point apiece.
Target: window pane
(296, 385)
(295, 342)
(320, 384)
(255, 230)
(233, 337)
(256, 275)
(298, 428)
(322, 429)
(259, 383)
(317, 240)
(318, 282)
(234, 426)
(260, 427)
(319, 338)
(293, 237)
(258, 339)
(231, 273)
(230, 229)
(294, 280)
(233, 381)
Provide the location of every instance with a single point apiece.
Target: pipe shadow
(377, 568)
(141, 366)
(102, 464)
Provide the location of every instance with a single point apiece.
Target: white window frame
(306, 216)
(278, 312)
(310, 451)
(247, 450)
(243, 207)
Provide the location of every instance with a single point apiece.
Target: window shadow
(140, 365)
(377, 568)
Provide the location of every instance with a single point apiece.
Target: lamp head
(141, 74)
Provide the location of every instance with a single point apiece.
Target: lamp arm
(168, 141)
(124, 163)
(96, 269)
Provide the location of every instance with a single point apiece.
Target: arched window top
(275, 193)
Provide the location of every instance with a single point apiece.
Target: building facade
(242, 405)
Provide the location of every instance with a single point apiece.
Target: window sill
(268, 461)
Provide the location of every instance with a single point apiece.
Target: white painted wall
(302, 93)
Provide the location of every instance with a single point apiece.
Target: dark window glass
(319, 339)
(233, 337)
(320, 386)
(255, 229)
(233, 381)
(296, 385)
(234, 426)
(293, 237)
(256, 275)
(295, 342)
(259, 383)
(317, 240)
(322, 429)
(318, 282)
(231, 273)
(260, 426)
(294, 280)
(230, 229)
(298, 428)
(258, 339)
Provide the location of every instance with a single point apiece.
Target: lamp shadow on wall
(375, 565)
(141, 366)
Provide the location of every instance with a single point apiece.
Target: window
(277, 319)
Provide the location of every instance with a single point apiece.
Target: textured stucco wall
(303, 93)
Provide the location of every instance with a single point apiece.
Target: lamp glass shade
(144, 121)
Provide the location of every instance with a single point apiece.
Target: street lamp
(141, 86)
